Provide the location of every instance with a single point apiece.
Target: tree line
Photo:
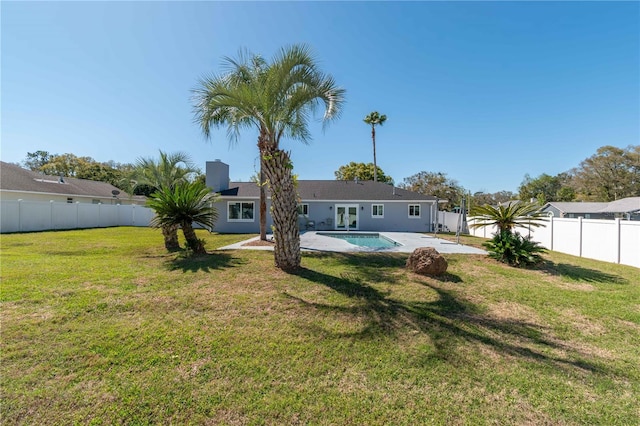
(610, 174)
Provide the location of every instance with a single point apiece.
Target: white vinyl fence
(616, 241)
(25, 216)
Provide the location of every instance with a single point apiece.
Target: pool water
(370, 240)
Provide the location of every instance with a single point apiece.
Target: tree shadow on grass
(447, 319)
(371, 267)
(204, 263)
(577, 273)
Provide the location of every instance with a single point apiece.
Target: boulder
(427, 261)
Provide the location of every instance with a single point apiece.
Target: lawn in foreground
(103, 326)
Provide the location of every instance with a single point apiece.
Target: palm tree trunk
(192, 240)
(170, 234)
(278, 168)
(263, 204)
(262, 139)
(375, 166)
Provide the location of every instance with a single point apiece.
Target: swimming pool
(370, 240)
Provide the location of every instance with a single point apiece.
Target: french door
(346, 217)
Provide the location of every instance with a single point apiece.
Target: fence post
(133, 215)
(77, 214)
(618, 236)
(551, 231)
(20, 215)
(51, 215)
(580, 236)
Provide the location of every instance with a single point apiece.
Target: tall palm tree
(165, 172)
(247, 70)
(375, 119)
(277, 102)
(182, 205)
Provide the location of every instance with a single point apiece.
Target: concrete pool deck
(312, 241)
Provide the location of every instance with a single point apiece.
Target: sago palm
(184, 204)
(165, 172)
(277, 101)
(508, 216)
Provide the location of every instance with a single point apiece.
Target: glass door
(346, 217)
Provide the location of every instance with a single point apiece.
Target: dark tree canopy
(492, 199)
(437, 184)
(547, 188)
(362, 171)
(79, 167)
(610, 174)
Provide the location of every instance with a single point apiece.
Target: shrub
(514, 249)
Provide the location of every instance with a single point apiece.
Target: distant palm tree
(165, 172)
(508, 216)
(276, 101)
(375, 119)
(182, 205)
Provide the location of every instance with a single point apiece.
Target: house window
(414, 211)
(587, 216)
(70, 200)
(303, 209)
(94, 201)
(377, 211)
(240, 211)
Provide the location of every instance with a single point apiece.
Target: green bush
(514, 249)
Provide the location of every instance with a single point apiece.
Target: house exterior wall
(322, 214)
(223, 225)
(593, 215)
(62, 198)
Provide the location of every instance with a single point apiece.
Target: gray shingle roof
(578, 207)
(334, 190)
(15, 178)
(624, 205)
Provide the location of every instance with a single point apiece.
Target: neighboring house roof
(577, 207)
(15, 178)
(624, 205)
(334, 190)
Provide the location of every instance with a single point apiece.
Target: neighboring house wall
(28, 216)
(63, 198)
(616, 241)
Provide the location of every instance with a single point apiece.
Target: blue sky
(482, 91)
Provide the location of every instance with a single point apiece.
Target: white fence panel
(616, 241)
(141, 216)
(26, 216)
(630, 243)
(35, 215)
(566, 236)
(9, 216)
(600, 240)
(65, 216)
(87, 216)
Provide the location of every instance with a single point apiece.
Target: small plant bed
(105, 327)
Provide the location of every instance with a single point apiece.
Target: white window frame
(414, 216)
(380, 207)
(253, 204)
(301, 209)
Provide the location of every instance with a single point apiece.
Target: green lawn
(104, 327)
